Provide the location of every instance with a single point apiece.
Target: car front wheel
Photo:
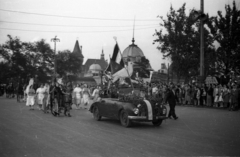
(125, 121)
(157, 122)
(96, 115)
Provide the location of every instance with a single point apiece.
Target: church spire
(102, 55)
(133, 40)
(77, 49)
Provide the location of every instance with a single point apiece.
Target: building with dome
(132, 53)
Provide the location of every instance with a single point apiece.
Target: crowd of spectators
(203, 95)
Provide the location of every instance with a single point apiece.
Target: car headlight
(136, 110)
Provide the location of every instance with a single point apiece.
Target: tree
(179, 40)
(31, 59)
(142, 68)
(26, 60)
(11, 53)
(68, 63)
(226, 31)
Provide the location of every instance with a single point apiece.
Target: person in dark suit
(171, 99)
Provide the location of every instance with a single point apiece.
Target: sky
(94, 23)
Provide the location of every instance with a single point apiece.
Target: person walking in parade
(20, 92)
(171, 99)
(78, 95)
(40, 96)
(30, 97)
(57, 93)
(67, 100)
(86, 94)
(51, 94)
(209, 95)
(46, 98)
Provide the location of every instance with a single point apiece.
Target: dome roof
(133, 51)
(95, 67)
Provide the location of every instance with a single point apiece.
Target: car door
(102, 108)
(110, 108)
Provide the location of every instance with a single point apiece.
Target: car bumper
(145, 117)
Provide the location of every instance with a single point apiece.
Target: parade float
(126, 97)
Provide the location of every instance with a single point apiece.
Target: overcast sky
(95, 24)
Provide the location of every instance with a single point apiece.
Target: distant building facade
(92, 68)
(163, 69)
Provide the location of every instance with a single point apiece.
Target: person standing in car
(171, 99)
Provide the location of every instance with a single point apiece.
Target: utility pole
(168, 74)
(55, 63)
(202, 42)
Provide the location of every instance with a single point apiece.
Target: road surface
(197, 132)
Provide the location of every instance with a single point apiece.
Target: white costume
(78, 94)
(86, 93)
(30, 94)
(46, 93)
(40, 93)
(30, 97)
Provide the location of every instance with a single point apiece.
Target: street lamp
(55, 63)
(200, 15)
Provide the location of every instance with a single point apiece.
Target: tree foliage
(226, 31)
(179, 40)
(33, 59)
(68, 63)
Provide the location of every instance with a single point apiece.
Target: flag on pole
(116, 62)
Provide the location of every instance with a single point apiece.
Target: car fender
(128, 107)
(92, 106)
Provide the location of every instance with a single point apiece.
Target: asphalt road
(197, 132)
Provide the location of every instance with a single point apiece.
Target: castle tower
(102, 55)
(78, 50)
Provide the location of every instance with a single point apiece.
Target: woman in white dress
(30, 96)
(46, 99)
(40, 96)
(86, 93)
(78, 95)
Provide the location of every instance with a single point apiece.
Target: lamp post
(55, 63)
(202, 42)
(202, 17)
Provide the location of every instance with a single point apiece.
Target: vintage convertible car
(130, 109)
